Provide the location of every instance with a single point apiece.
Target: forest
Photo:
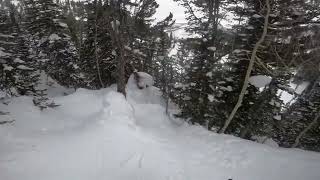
(229, 79)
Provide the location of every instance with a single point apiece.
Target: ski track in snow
(98, 135)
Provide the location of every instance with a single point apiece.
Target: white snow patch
(18, 60)
(209, 74)
(54, 37)
(63, 25)
(260, 81)
(256, 16)
(265, 140)
(211, 98)
(146, 80)
(193, 84)
(213, 49)
(228, 88)
(23, 67)
(250, 27)
(277, 117)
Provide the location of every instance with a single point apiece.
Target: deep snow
(99, 135)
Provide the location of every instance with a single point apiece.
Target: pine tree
(19, 77)
(207, 51)
(97, 53)
(248, 34)
(52, 42)
(275, 58)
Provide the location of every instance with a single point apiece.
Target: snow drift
(99, 135)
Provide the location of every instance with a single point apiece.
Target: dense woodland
(96, 43)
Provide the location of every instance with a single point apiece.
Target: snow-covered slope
(99, 135)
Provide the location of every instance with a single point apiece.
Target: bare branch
(250, 67)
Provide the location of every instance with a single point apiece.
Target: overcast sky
(167, 6)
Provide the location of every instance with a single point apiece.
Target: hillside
(99, 135)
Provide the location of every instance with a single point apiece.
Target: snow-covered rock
(140, 80)
(143, 91)
(260, 81)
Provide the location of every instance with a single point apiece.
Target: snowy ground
(98, 135)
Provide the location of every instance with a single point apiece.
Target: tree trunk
(250, 67)
(121, 85)
(118, 41)
(169, 90)
(95, 44)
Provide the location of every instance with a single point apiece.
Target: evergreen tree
(207, 52)
(19, 77)
(97, 53)
(52, 42)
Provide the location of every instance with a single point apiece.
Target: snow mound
(260, 81)
(111, 103)
(265, 140)
(140, 80)
(147, 95)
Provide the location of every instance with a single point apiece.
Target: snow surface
(265, 140)
(99, 135)
(53, 88)
(298, 89)
(260, 81)
(145, 81)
